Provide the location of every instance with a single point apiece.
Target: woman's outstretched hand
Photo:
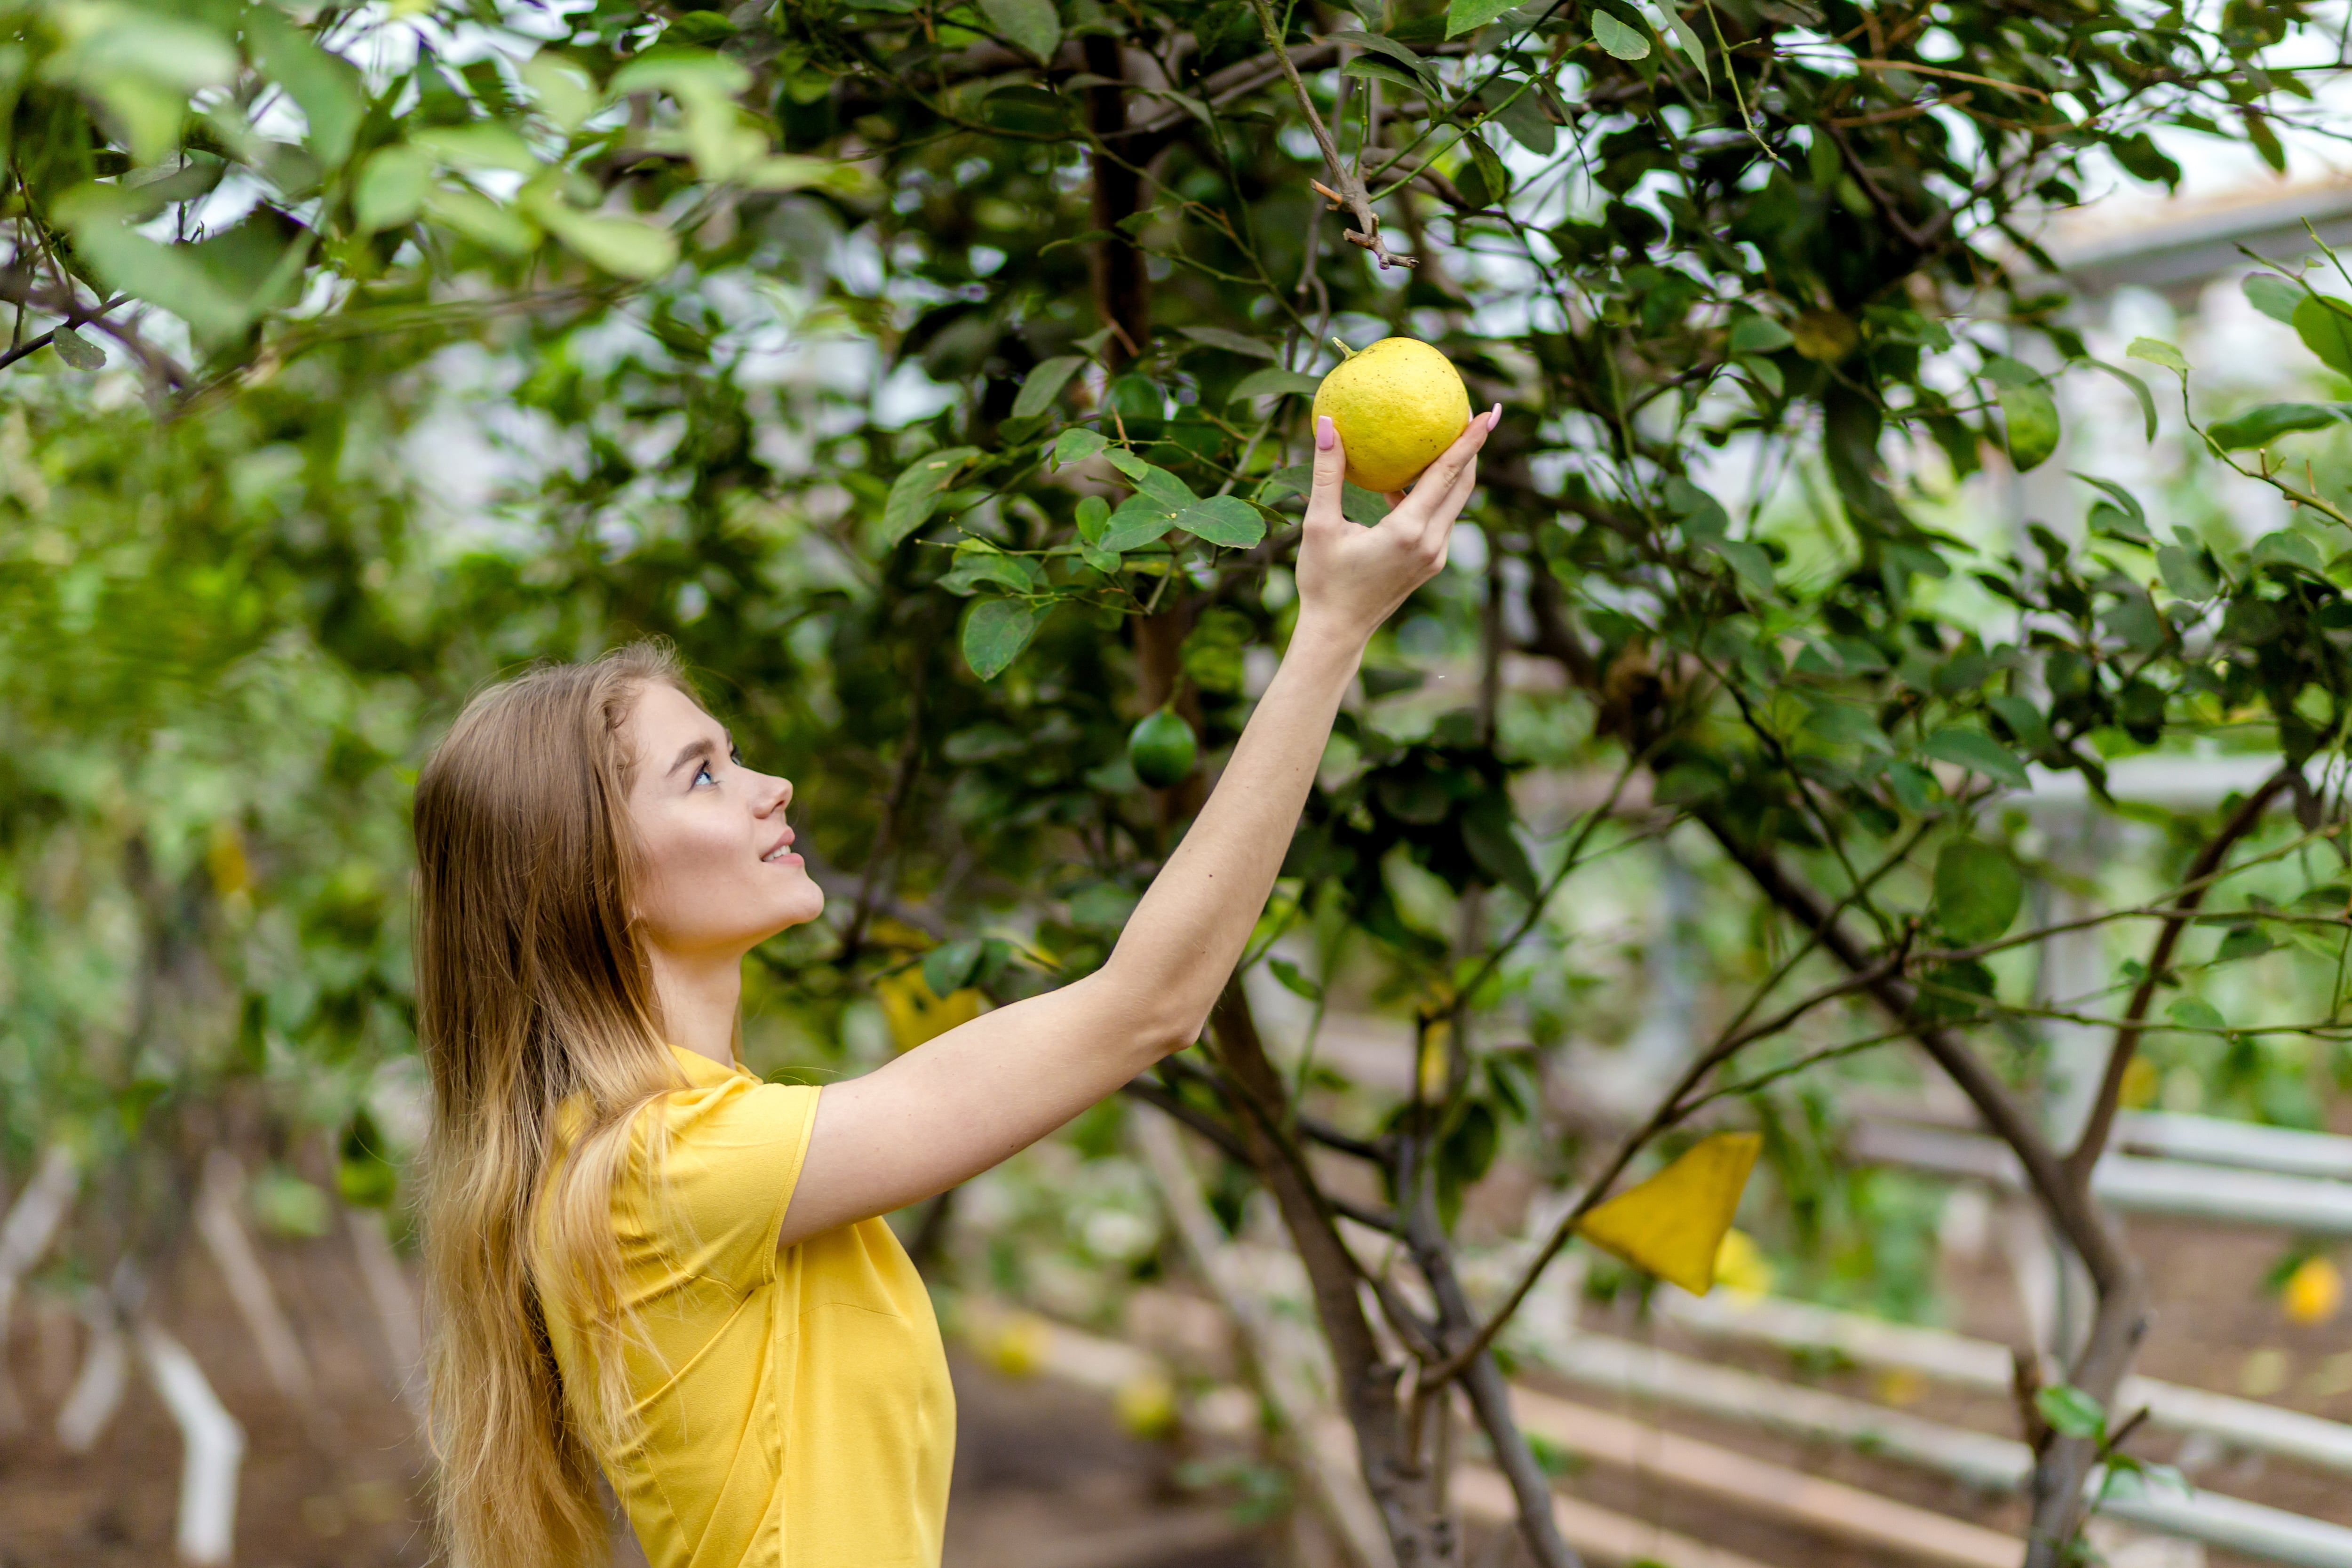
(1350, 579)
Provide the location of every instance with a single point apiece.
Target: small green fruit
(1161, 749)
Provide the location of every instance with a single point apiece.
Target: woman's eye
(704, 775)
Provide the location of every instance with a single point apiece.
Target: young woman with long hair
(644, 1263)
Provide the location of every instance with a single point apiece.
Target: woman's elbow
(1160, 1019)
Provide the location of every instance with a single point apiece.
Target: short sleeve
(720, 1187)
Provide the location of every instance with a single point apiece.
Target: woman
(646, 1263)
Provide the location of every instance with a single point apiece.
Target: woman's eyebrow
(701, 748)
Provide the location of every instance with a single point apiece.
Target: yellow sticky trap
(1673, 1224)
(915, 1014)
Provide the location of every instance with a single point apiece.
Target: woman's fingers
(1438, 481)
(1331, 472)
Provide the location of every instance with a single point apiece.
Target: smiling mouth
(781, 852)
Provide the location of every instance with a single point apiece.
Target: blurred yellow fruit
(1673, 1224)
(1397, 406)
(1147, 1407)
(915, 1014)
(2141, 1082)
(2312, 1292)
(1899, 1385)
(1017, 1345)
(1740, 1266)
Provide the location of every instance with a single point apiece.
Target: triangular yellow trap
(1672, 1226)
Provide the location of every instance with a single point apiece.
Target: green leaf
(2024, 721)
(1687, 39)
(327, 89)
(170, 275)
(1044, 384)
(1977, 751)
(2155, 351)
(1077, 445)
(948, 968)
(1275, 383)
(683, 74)
(1231, 343)
(2031, 419)
(995, 633)
(1624, 42)
(1093, 517)
(622, 244)
(1749, 561)
(1389, 48)
(2195, 1012)
(2185, 572)
(2325, 325)
(915, 494)
(1462, 15)
(480, 220)
(1032, 25)
(77, 350)
(1521, 114)
(2274, 295)
(1491, 172)
(1759, 334)
(391, 189)
(1140, 521)
(2261, 426)
(2139, 392)
(2242, 941)
(1979, 891)
(1365, 68)
(2289, 548)
(564, 94)
(479, 146)
(2071, 1412)
(1224, 520)
(1292, 979)
(2129, 518)
(795, 172)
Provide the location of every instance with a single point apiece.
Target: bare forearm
(1185, 936)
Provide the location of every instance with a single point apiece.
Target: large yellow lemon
(1396, 405)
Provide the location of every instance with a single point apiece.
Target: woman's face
(720, 877)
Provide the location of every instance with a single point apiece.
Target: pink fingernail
(1495, 416)
(1324, 434)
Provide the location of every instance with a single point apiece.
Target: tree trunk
(1401, 1483)
(212, 1453)
(31, 1226)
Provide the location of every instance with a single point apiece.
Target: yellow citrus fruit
(1740, 1266)
(1396, 405)
(1147, 1407)
(1673, 1224)
(1018, 1347)
(2314, 1292)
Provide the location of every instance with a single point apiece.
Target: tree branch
(2202, 873)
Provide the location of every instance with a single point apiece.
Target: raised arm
(966, 1100)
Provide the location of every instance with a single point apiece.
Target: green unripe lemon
(1396, 405)
(1161, 749)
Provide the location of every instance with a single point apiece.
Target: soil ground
(1044, 1478)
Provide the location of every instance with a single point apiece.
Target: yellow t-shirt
(800, 1414)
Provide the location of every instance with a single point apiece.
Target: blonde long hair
(533, 990)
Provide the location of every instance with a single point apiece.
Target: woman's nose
(784, 790)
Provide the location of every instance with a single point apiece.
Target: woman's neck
(699, 999)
